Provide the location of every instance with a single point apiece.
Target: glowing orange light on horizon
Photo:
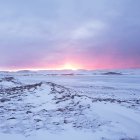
(66, 66)
(69, 66)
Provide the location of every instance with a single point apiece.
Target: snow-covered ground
(60, 105)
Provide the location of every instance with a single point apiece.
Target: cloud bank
(90, 33)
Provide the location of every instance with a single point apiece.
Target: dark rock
(28, 112)
(60, 109)
(4, 100)
(112, 73)
(12, 118)
(38, 120)
(66, 122)
(56, 123)
(8, 79)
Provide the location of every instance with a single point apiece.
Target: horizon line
(18, 70)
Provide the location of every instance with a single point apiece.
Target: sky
(78, 34)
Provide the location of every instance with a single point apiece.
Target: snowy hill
(85, 105)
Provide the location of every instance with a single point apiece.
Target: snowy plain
(59, 105)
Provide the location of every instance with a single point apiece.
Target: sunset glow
(69, 66)
(69, 34)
